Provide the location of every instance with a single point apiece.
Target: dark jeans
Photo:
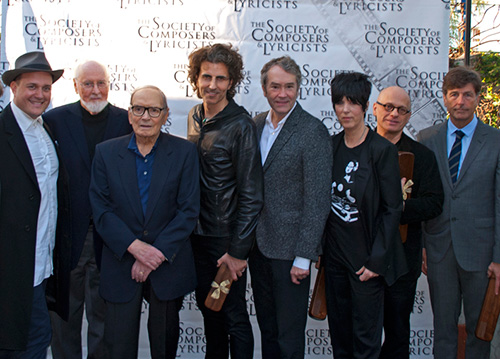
(355, 311)
(229, 329)
(398, 305)
(281, 307)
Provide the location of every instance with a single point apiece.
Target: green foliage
(488, 65)
(457, 25)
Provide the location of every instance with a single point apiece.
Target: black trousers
(228, 330)
(281, 307)
(398, 305)
(122, 323)
(84, 292)
(355, 311)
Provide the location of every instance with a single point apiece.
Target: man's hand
(424, 261)
(494, 270)
(298, 274)
(145, 253)
(140, 272)
(235, 265)
(366, 274)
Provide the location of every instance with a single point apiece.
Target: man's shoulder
(58, 112)
(431, 131)
(114, 144)
(117, 111)
(260, 117)
(409, 144)
(178, 144)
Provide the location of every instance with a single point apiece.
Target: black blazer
(19, 205)
(426, 200)
(172, 212)
(65, 123)
(378, 180)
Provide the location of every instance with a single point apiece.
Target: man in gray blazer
(297, 161)
(463, 243)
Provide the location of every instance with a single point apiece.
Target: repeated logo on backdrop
(163, 35)
(276, 38)
(125, 4)
(385, 39)
(347, 6)
(239, 5)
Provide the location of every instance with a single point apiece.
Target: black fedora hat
(31, 62)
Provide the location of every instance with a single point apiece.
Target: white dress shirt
(269, 135)
(44, 157)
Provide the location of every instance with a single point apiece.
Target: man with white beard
(78, 127)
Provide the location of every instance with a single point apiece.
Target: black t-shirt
(94, 127)
(345, 233)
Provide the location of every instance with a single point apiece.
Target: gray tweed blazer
(297, 184)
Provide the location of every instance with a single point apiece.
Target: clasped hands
(147, 259)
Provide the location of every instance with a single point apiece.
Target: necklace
(358, 141)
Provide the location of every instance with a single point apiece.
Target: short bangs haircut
(354, 86)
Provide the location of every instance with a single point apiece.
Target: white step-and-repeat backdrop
(396, 42)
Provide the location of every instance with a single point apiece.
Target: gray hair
(287, 64)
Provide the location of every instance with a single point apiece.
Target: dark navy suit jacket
(171, 214)
(66, 125)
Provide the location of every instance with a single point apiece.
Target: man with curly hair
(231, 194)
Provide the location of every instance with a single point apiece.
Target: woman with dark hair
(362, 243)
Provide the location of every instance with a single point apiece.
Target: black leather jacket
(231, 179)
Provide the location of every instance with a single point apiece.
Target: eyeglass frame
(89, 85)
(400, 108)
(131, 108)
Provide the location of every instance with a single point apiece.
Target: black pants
(229, 329)
(122, 323)
(281, 307)
(398, 305)
(355, 311)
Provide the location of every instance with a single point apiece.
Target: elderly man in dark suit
(145, 198)
(463, 243)
(393, 110)
(297, 163)
(78, 127)
(34, 235)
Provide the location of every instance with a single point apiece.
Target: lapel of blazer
(128, 176)
(441, 152)
(77, 132)
(16, 141)
(161, 169)
(260, 122)
(365, 169)
(289, 128)
(477, 142)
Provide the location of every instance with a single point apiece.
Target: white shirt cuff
(302, 263)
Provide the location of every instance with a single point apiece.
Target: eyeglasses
(153, 111)
(90, 85)
(390, 107)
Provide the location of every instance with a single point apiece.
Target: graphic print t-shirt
(345, 229)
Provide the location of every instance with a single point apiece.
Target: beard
(94, 107)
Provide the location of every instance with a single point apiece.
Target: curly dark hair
(217, 53)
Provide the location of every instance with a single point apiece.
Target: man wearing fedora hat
(34, 237)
